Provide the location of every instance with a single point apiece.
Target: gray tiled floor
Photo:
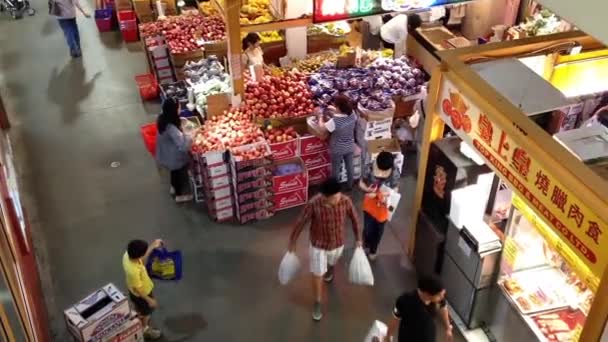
(71, 120)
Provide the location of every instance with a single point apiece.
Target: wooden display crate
(324, 42)
(218, 48)
(123, 5)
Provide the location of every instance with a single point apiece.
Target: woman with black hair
(172, 149)
(252, 52)
(341, 129)
(381, 172)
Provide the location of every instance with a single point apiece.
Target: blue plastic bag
(165, 265)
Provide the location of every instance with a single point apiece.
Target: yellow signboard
(561, 209)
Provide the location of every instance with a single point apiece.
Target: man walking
(326, 212)
(65, 11)
(139, 283)
(415, 313)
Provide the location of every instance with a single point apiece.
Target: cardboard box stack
(102, 316)
(252, 183)
(289, 183)
(212, 182)
(315, 155)
(159, 61)
(285, 150)
(389, 145)
(372, 127)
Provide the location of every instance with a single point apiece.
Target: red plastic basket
(128, 25)
(148, 87)
(103, 19)
(149, 134)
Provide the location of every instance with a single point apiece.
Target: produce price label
(560, 208)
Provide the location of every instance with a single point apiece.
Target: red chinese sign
(559, 207)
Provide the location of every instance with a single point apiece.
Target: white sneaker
(152, 334)
(184, 198)
(171, 191)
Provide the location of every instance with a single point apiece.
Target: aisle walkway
(72, 119)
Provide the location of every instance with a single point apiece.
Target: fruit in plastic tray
(279, 135)
(233, 129)
(279, 97)
(251, 152)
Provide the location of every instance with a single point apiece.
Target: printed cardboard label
(311, 144)
(319, 174)
(284, 150)
(316, 160)
(290, 199)
(289, 182)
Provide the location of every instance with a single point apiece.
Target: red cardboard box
(311, 144)
(254, 195)
(222, 215)
(316, 159)
(220, 192)
(258, 172)
(253, 206)
(290, 199)
(290, 182)
(319, 174)
(256, 215)
(254, 184)
(217, 182)
(285, 150)
(220, 204)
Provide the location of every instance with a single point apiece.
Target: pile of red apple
(184, 32)
(251, 152)
(234, 128)
(279, 96)
(279, 135)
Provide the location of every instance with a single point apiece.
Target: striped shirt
(327, 222)
(342, 138)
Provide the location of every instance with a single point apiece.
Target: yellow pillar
(232, 10)
(433, 130)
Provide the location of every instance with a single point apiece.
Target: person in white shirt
(394, 32)
(65, 12)
(252, 52)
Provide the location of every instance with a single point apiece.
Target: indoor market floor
(71, 120)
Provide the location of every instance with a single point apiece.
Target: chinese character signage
(562, 210)
(332, 10)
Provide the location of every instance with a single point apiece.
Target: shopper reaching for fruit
(341, 128)
(252, 52)
(382, 172)
(172, 149)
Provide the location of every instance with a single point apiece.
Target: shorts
(320, 258)
(140, 305)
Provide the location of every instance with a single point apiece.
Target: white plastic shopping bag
(392, 200)
(378, 330)
(288, 268)
(359, 271)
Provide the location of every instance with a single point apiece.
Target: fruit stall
(512, 183)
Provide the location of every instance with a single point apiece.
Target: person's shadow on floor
(69, 87)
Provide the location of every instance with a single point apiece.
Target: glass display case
(550, 288)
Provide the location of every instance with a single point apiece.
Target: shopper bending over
(394, 32)
(65, 11)
(341, 128)
(375, 212)
(415, 312)
(327, 213)
(252, 52)
(139, 283)
(172, 149)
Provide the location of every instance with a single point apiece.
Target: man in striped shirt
(327, 213)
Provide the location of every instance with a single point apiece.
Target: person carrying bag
(380, 173)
